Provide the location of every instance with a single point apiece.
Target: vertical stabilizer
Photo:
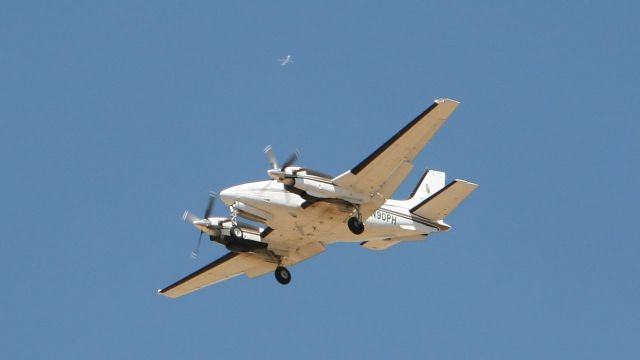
(430, 183)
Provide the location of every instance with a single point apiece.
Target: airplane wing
(226, 267)
(380, 174)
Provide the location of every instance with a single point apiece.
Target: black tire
(236, 232)
(356, 226)
(283, 275)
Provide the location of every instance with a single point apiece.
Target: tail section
(443, 202)
(430, 182)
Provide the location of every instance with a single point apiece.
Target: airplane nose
(227, 196)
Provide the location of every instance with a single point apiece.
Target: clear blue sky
(117, 116)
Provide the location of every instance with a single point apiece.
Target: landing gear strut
(283, 275)
(234, 214)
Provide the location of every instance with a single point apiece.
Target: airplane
(286, 60)
(304, 211)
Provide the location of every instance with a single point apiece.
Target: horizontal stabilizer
(378, 244)
(385, 244)
(441, 204)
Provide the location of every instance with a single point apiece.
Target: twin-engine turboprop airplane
(304, 211)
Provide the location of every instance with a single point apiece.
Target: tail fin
(430, 182)
(441, 204)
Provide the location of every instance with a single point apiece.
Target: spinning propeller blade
(194, 253)
(189, 217)
(274, 162)
(271, 156)
(291, 160)
(212, 201)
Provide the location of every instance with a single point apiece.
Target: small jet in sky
(287, 60)
(304, 211)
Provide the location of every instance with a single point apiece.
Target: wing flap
(226, 267)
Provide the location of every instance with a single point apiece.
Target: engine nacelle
(236, 244)
(326, 190)
(252, 213)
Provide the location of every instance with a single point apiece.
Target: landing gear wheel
(236, 232)
(283, 275)
(355, 225)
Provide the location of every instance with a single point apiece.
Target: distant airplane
(286, 60)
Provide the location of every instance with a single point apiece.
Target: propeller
(293, 158)
(271, 156)
(189, 217)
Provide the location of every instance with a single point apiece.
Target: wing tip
(447, 100)
(446, 105)
(470, 183)
(164, 293)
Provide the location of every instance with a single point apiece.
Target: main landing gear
(283, 275)
(355, 222)
(355, 225)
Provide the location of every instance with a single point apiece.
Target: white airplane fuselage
(274, 204)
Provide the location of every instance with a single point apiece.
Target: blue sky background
(117, 116)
